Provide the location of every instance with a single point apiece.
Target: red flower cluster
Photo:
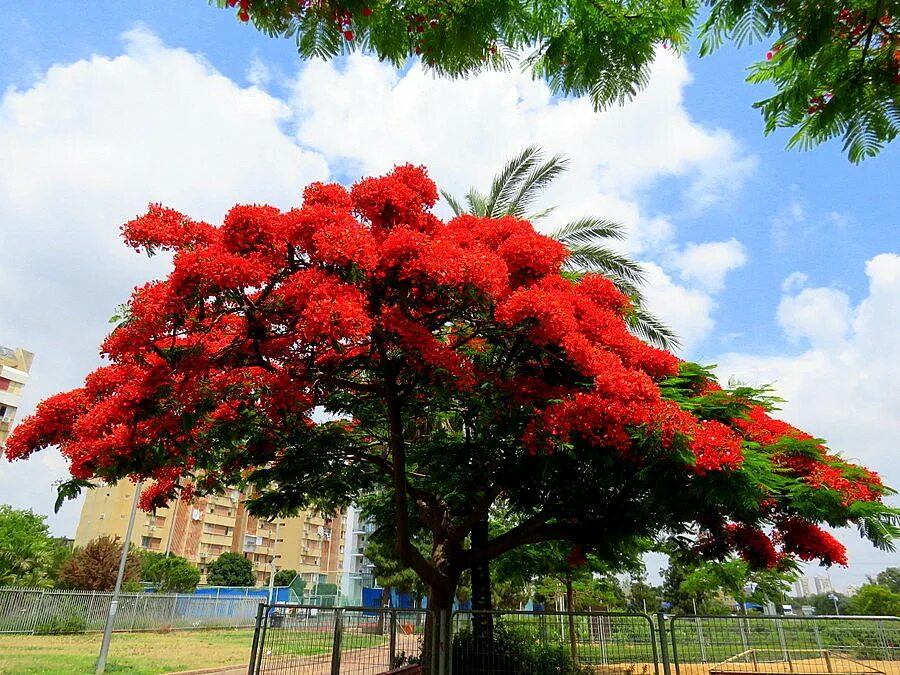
(752, 545)
(810, 542)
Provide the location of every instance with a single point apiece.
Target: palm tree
(514, 191)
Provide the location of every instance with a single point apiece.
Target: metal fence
(750, 645)
(536, 642)
(315, 640)
(48, 611)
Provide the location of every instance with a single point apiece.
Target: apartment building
(358, 571)
(15, 365)
(203, 529)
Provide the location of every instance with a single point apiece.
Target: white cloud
(687, 311)
(844, 386)
(708, 263)
(821, 315)
(464, 129)
(84, 150)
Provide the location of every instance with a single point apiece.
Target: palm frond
(531, 186)
(646, 326)
(504, 184)
(601, 260)
(455, 206)
(587, 230)
(477, 203)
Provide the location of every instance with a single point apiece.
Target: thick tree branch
(478, 513)
(532, 531)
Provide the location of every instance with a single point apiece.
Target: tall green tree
(834, 65)
(890, 579)
(875, 600)
(230, 569)
(29, 556)
(170, 574)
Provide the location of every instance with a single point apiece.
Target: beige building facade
(15, 365)
(207, 527)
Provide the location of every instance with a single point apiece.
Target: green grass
(137, 653)
(154, 653)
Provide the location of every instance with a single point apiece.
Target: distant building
(823, 585)
(203, 529)
(15, 365)
(801, 588)
(358, 572)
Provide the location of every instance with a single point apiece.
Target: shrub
(62, 625)
(511, 653)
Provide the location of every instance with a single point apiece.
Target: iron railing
(754, 644)
(310, 640)
(316, 640)
(45, 611)
(522, 642)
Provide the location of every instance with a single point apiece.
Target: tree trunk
(482, 603)
(570, 607)
(437, 649)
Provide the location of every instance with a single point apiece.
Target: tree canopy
(462, 370)
(834, 65)
(230, 569)
(169, 573)
(29, 556)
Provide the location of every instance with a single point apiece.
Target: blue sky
(780, 266)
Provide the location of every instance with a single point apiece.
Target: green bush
(510, 652)
(61, 625)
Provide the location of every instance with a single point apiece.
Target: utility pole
(114, 603)
(173, 515)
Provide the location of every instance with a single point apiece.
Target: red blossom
(752, 545)
(810, 542)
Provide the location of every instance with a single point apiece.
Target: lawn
(138, 653)
(153, 653)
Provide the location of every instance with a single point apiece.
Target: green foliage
(511, 651)
(95, 566)
(835, 67)
(875, 600)
(29, 556)
(230, 569)
(389, 570)
(171, 574)
(62, 625)
(834, 64)
(284, 577)
(890, 579)
(733, 577)
(643, 597)
(597, 48)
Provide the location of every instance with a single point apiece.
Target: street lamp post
(114, 602)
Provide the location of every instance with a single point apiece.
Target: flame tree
(359, 344)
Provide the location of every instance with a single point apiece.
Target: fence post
(39, 614)
(134, 611)
(884, 644)
(260, 613)
(172, 614)
(336, 645)
(393, 639)
(663, 646)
